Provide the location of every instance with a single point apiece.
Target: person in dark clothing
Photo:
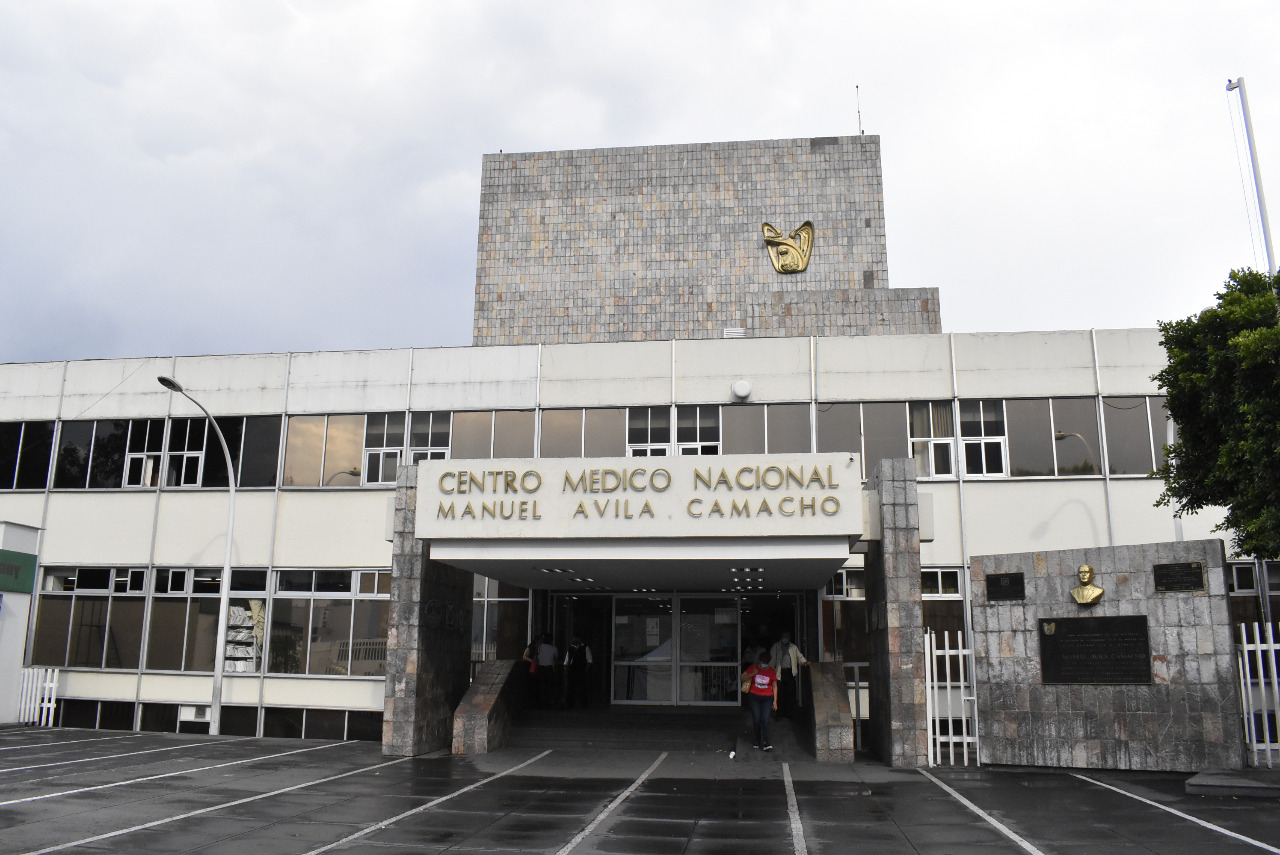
(577, 669)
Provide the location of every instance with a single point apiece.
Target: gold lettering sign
(789, 254)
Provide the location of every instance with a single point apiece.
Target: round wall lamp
(741, 389)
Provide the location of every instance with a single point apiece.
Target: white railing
(951, 707)
(38, 696)
(855, 675)
(1259, 691)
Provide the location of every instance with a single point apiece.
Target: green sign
(17, 571)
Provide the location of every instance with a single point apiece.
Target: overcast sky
(216, 177)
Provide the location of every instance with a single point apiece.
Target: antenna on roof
(858, 94)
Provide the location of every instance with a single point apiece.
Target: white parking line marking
(67, 742)
(372, 828)
(114, 756)
(212, 808)
(1175, 812)
(167, 775)
(600, 817)
(999, 826)
(793, 812)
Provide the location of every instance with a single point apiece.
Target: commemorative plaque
(1095, 650)
(1188, 576)
(1006, 586)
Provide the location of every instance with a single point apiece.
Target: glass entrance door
(676, 649)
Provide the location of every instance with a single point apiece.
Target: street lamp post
(1233, 85)
(224, 587)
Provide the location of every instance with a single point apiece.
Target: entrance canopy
(723, 523)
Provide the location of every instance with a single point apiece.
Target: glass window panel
(33, 463)
(72, 469)
(994, 458)
(375, 430)
(506, 592)
(420, 430)
(303, 451)
(638, 425)
(605, 433)
(205, 581)
(239, 721)
(202, 633)
(660, 424)
(330, 637)
(642, 629)
(993, 418)
(973, 458)
(88, 632)
(472, 436)
(282, 723)
(1160, 425)
(395, 430)
(742, 427)
(124, 633)
(839, 428)
(10, 442)
(709, 423)
(296, 580)
(971, 418)
(942, 458)
(333, 581)
(513, 432)
(248, 580)
(440, 429)
(165, 635)
(1075, 426)
(508, 628)
(369, 638)
(162, 718)
(561, 433)
(1030, 437)
(942, 419)
(789, 430)
(373, 466)
(289, 635)
(885, 433)
(1128, 436)
(384, 582)
(921, 423)
(215, 464)
(686, 424)
(325, 724)
(93, 578)
(260, 457)
(53, 622)
(708, 629)
(343, 450)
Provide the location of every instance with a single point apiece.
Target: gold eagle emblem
(789, 254)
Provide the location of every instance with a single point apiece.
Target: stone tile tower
(662, 242)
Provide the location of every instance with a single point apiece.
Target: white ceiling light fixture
(741, 389)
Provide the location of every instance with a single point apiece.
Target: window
(648, 431)
(604, 433)
(1163, 431)
(254, 442)
(743, 429)
(884, 434)
(90, 617)
(186, 452)
(1075, 435)
(144, 450)
(698, 429)
(932, 438)
(982, 437)
(500, 620)
(383, 445)
(561, 434)
(1128, 432)
(789, 430)
(840, 427)
(91, 455)
(323, 451)
(513, 433)
(847, 584)
(940, 582)
(472, 436)
(183, 631)
(331, 622)
(428, 436)
(24, 455)
(1030, 437)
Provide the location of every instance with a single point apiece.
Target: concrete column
(428, 640)
(900, 734)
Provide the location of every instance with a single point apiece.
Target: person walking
(762, 694)
(548, 679)
(577, 669)
(787, 660)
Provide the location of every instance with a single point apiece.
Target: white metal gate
(38, 696)
(1259, 691)
(951, 706)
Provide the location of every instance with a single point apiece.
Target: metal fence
(1259, 691)
(38, 696)
(951, 706)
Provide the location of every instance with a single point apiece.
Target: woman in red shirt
(762, 695)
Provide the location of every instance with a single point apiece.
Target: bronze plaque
(1188, 576)
(1006, 586)
(1095, 650)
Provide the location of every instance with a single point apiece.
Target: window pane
(1075, 426)
(53, 620)
(333, 581)
(282, 723)
(325, 724)
(687, 424)
(885, 437)
(72, 469)
(202, 633)
(1030, 437)
(124, 633)
(742, 428)
(605, 433)
(10, 440)
(507, 628)
(375, 433)
(419, 430)
(330, 637)
(972, 458)
(942, 458)
(395, 430)
(1160, 425)
(971, 418)
(215, 464)
(921, 423)
(88, 632)
(296, 580)
(992, 418)
(994, 458)
(261, 456)
(288, 648)
(839, 428)
(369, 638)
(244, 635)
(942, 421)
(1128, 436)
(165, 636)
(472, 436)
(638, 425)
(513, 433)
(789, 428)
(660, 424)
(343, 450)
(561, 433)
(33, 464)
(303, 450)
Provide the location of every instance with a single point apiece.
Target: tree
(1223, 388)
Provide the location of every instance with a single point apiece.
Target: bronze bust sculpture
(1087, 593)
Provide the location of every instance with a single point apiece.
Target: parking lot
(96, 791)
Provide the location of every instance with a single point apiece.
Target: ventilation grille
(735, 332)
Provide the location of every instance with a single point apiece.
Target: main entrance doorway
(671, 649)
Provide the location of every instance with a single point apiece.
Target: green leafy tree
(1223, 387)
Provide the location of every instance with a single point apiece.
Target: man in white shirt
(788, 659)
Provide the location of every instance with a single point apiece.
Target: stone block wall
(899, 731)
(481, 721)
(428, 639)
(664, 242)
(832, 719)
(1187, 719)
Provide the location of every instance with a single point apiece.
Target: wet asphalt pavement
(96, 791)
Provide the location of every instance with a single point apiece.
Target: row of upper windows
(975, 438)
